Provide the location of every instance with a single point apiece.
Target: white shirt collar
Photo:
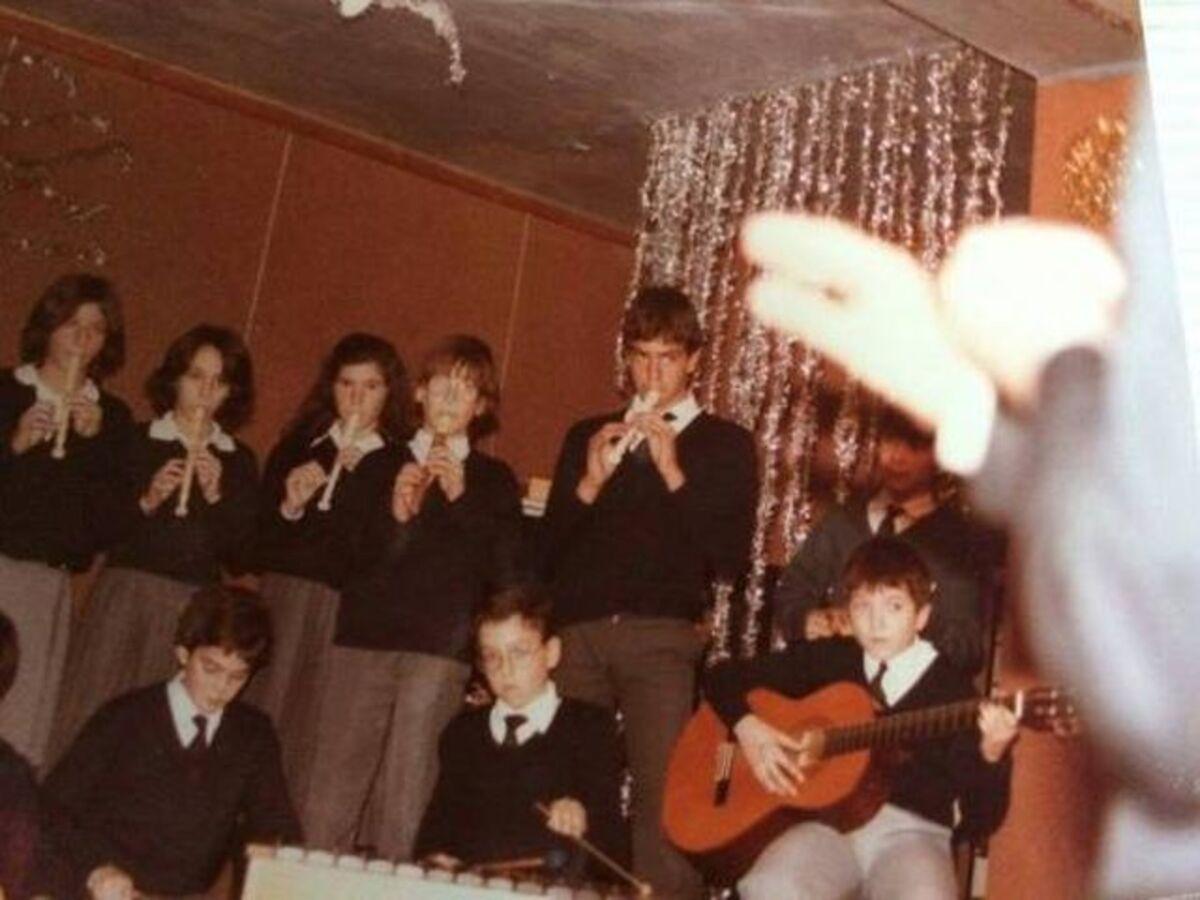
(184, 710)
(422, 443)
(29, 376)
(165, 428)
(912, 510)
(903, 670)
(365, 441)
(539, 713)
(683, 411)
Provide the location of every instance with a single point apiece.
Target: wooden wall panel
(560, 366)
(358, 245)
(185, 226)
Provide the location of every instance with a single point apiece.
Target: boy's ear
(923, 615)
(553, 652)
(693, 362)
(182, 655)
(419, 393)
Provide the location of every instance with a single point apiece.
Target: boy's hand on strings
(771, 753)
(998, 728)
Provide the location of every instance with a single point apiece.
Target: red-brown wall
(277, 229)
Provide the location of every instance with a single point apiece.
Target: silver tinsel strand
(911, 150)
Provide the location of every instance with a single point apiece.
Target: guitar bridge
(723, 772)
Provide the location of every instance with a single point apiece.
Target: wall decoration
(40, 149)
(911, 150)
(1093, 171)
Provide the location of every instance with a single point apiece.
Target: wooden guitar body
(725, 829)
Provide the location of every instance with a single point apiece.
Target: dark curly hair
(319, 409)
(58, 304)
(236, 371)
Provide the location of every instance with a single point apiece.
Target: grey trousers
(290, 688)
(646, 668)
(38, 600)
(898, 855)
(376, 759)
(123, 639)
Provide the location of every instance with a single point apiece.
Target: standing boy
(529, 747)
(648, 505)
(402, 649)
(904, 850)
(163, 781)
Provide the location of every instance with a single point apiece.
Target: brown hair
(59, 303)
(230, 617)
(475, 356)
(531, 602)
(886, 562)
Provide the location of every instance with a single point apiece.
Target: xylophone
(292, 873)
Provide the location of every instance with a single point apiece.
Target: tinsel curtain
(911, 150)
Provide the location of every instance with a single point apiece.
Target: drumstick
(640, 887)
(189, 468)
(63, 417)
(350, 434)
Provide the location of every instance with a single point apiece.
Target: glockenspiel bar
(293, 873)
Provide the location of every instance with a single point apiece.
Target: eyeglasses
(517, 657)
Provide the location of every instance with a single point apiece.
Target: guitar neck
(903, 728)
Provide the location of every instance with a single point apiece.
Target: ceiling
(558, 92)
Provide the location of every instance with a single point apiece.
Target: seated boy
(529, 747)
(162, 781)
(904, 850)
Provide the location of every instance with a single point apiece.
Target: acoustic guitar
(716, 811)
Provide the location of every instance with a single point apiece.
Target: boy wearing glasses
(530, 748)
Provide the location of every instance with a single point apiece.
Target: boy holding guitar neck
(903, 849)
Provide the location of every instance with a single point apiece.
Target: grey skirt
(38, 600)
(124, 639)
(291, 686)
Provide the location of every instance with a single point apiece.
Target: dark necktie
(199, 744)
(887, 528)
(511, 724)
(875, 688)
